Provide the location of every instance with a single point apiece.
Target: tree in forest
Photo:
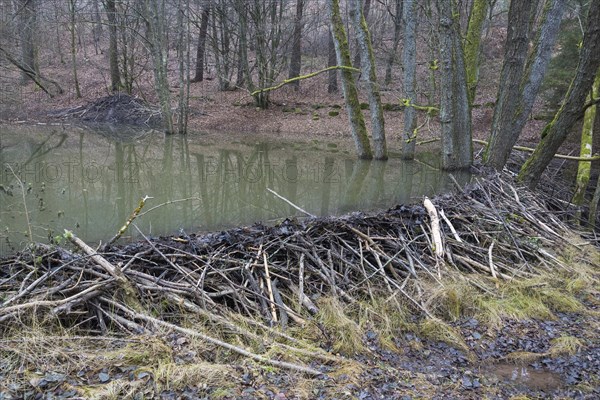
(221, 37)
(397, 17)
(455, 111)
(563, 64)
(358, 127)
(155, 15)
(26, 12)
(113, 51)
(365, 7)
(477, 15)
(586, 148)
(201, 46)
(266, 17)
(521, 76)
(369, 76)
(409, 66)
(296, 56)
(332, 78)
(574, 105)
(19, 34)
(184, 61)
(72, 27)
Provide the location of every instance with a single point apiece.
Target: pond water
(89, 182)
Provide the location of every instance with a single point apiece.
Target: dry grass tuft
(436, 329)
(345, 333)
(565, 345)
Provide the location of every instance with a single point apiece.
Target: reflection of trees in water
(37, 151)
(206, 188)
(326, 179)
(355, 185)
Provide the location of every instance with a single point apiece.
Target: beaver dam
(419, 300)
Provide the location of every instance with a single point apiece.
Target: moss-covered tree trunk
(572, 108)
(342, 50)
(366, 9)
(409, 62)
(369, 76)
(455, 112)
(584, 167)
(479, 11)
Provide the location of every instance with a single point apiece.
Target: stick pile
(274, 275)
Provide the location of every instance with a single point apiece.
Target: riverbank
(498, 298)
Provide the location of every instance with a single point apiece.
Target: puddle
(525, 377)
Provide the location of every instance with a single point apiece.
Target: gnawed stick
(436, 235)
(491, 261)
(98, 259)
(270, 289)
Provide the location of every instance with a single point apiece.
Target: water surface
(90, 182)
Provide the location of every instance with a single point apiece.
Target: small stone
(103, 377)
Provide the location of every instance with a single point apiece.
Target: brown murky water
(525, 377)
(90, 182)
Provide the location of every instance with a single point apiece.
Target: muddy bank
(368, 305)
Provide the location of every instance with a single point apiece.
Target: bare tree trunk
(332, 81)
(266, 18)
(296, 57)
(398, 12)
(200, 50)
(572, 108)
(72, 27)
(183, 55)
(357, 122)
(243, 74)
(156, 20)
(113, 52)
(97, 29)
(520, 81)
(409, 61)
(455, 115)
(27, 21)
(363, 39)
(221, 43)
(515, 56)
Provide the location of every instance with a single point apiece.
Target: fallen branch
(290, 203)
(133, 216)
(307, 76)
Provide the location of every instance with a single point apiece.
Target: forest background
(407, 72)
